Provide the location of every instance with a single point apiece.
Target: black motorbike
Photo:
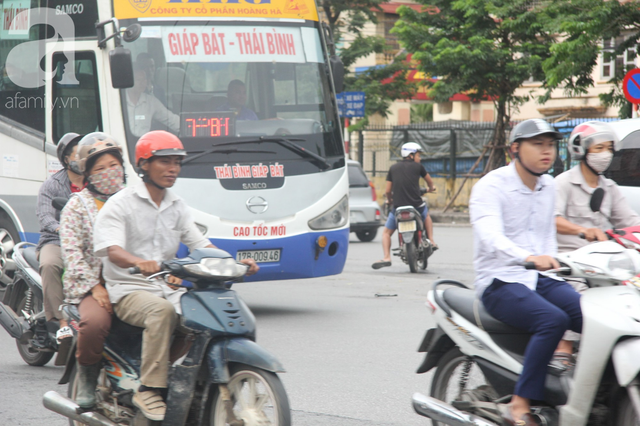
(225, 378)
(414, 245)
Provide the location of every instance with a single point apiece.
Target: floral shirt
(82, 267)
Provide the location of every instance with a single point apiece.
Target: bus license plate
(406, 226)
(260, 256)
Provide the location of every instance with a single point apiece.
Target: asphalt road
(348, 342)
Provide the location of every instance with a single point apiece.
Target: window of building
(75, 106)
(610, 63)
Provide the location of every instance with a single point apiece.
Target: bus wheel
(8, 239)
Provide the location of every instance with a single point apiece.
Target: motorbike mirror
(58, 203)
(596, 200)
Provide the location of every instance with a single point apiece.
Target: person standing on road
(403, 189)
(512, 214)
(62, 184)
(142, 226)
(592, 143)
(100, 161)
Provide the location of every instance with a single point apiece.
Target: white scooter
(478, 359)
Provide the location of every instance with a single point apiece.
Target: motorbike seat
(30, 255)
(465, 302)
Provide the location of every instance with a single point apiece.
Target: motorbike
(477, 358)
(414, 246)
(225, 377)
(22, 308)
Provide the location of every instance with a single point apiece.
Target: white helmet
(410, 148)
(590, 133)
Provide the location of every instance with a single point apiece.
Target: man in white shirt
(141, 226)
(512, 213)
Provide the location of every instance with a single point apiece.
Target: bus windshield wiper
(289, 143)
(224, 151)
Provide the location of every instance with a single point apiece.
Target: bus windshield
(211, 84)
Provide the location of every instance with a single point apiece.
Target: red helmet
(158, 143)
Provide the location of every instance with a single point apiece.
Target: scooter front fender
(625, 360)
(242, 351)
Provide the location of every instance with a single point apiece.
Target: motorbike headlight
(336, 217)
(221, 269)
(622, 266)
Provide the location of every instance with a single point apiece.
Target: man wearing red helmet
(142, 226)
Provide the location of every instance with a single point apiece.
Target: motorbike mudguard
(407, 237)
(625, 360)
(435, 343)
(68, 368)
(242, 351)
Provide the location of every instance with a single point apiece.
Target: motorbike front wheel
(30, 355)
(412, 256)
(258, 398)
(455, 374)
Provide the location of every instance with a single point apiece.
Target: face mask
(599, 161)
(108, 181)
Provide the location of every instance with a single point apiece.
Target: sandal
(381, 264)
(63, 333)
(562, 361)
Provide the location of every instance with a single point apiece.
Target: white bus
(247, 85)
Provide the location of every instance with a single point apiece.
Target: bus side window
(76, 107)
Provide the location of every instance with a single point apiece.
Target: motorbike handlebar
(134, 270)
(582, 235)
(529, 265)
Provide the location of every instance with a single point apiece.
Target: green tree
(422, 112)
(382, 84)
(582, 25)
(483, 48)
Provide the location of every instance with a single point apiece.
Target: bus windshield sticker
(288, 9)
(232, 44)
(258, 171)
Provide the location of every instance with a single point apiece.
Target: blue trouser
(547, 313)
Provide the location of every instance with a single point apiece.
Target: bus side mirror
(121, 68)
(337, 69)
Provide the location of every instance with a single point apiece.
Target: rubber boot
(87, 384)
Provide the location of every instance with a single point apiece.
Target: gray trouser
(158, 318)
(579, 286)
(51, 268)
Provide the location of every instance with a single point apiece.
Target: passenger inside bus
(143, 107)
(236, 100)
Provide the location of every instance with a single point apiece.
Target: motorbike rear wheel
(423, 259)
(412, 256)
(30, 355)
(456, 373)
(258, 398)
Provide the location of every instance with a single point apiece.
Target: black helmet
(532, 128)
(65, 144)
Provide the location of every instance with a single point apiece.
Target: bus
(247, 85)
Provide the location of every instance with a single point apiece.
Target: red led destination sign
(207, 124)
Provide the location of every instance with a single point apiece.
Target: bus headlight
(336, 217)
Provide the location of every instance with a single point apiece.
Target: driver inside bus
(236, 98)
(143, 107)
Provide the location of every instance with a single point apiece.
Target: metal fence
(452, 147)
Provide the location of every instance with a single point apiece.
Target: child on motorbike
(100, 160)
(512, 211)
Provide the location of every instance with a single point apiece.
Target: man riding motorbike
(142, 226)
(61, 184)
(100, 160)
(511, 210)
(403, 181)
(593, 144)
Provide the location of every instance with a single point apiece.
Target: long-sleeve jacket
(58, 185)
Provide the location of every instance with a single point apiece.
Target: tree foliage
(483, 48)
(347, 18)
(581, 26)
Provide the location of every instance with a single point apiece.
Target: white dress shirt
(132, 221)
(510, 223)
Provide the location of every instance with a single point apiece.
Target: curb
(449, 217)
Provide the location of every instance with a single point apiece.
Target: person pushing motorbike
(403, 189)
(142, 226)
(512, 214)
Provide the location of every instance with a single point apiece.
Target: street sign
(631, 86)
(351, 104)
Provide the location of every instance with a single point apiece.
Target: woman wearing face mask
(99, 158)
(593, 143)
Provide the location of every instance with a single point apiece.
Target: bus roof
(296, 9)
